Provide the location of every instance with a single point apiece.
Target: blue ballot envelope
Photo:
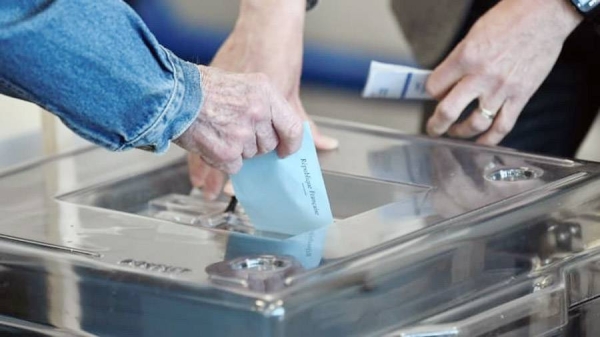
(288, 195)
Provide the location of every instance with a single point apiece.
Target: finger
(478, 121)
(198, 170)
(266, 139)
(290, 140)
(231, 167)
(250, 148)
(450, 108)
(323, 142)
(504, 122)
(213, 185)
(446, 75)
(224, 156)
(228, 189)
(287, 125)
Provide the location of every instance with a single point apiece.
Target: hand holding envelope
(285, 195)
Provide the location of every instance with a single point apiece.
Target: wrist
(572, 17)
(566, 17)
(262, 18)
(271, 9)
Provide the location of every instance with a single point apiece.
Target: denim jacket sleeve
(95, 65)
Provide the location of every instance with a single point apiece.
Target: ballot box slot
(166, 194)
(510, 174)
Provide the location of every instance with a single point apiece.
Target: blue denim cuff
(178, 114)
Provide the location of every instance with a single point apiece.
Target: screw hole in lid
(261, 263)
(514, 174)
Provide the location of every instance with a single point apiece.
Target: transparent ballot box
(431, 237)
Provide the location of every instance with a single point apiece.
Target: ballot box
(432, 237)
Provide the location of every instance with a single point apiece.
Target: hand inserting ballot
(267, 38)
(242, 115)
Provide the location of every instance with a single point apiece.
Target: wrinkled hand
(267, 39)
(242, 116)
(501, 62)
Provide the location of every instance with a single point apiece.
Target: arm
(95, 65)
(268, 38)
(501, 62)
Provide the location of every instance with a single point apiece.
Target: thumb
(323, 142)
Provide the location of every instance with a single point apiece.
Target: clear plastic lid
(431, 238)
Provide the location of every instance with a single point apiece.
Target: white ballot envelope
(396, 82)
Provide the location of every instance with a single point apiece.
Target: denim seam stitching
(187, 125)
(18, 90)
(165, 110)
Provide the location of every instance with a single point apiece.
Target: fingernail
(228, 189)
(431, 130)
(326, 143)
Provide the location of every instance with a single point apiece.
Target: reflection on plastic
(307, 247)
(265, 264)
(285, 195)
(262, 273)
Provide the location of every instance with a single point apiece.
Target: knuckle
(433, 128)
(503, 128)
(507, 83)
(268, 145)
(266, 139)
(477, 127)
(241, 134)
(446, 111)
(468, 55)
(210, 160)
(247, 135)
(250, 150)
(492, 73)
(431, 88)
(227, 155)
(252, 96)
(256, 112)
(225, 168)
(250, 153)
(294, 129)
(233, 166)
